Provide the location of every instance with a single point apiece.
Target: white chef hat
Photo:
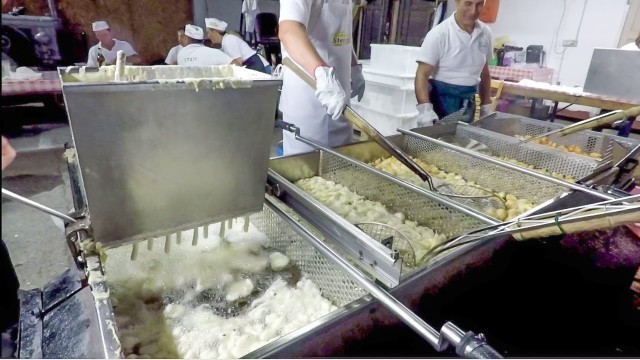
(100, 25)
(194, 32)
(216, 24)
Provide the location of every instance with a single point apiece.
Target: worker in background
(453, 65)
(9, 285)
(104, 53)
(233, 45)
(196, 54)
(317, 36)
(172, 56)
(634, 45)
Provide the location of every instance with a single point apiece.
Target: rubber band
(558, 224)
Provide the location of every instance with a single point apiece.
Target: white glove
(329, 91)
(426, 115)
(485, 110)
(357, 82)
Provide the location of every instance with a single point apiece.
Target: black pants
(9, 285)
(255, 63)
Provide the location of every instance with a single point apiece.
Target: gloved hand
(357, 82)
(485, 110)
(426, 115)
(329, 91)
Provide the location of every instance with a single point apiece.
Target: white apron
(331, 36)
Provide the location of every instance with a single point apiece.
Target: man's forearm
(485, 86)
(295, 39)
(421, 83)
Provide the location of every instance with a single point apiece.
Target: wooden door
(414, 21)
(375, 26)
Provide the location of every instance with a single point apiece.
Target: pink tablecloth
(517, 74)
(49, 84)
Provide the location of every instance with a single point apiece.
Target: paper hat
(216, 24)
(100, 25)
(194, 32)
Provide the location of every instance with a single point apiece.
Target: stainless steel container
(417, 204)
(171, 148)
(489, 131)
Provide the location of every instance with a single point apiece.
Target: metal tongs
(365, 127)
(599, 120)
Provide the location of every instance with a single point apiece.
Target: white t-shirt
(109, 55)
(172, 56)
(630, 46)
(200, 55)
(458, 57)
(236, 47)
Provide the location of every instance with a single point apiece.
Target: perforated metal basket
(331, 279)
(427, 209)
(589, 141)
(540, 156)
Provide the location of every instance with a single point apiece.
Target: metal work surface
(159, 157)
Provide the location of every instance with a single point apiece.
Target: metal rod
(509, 166)
(392, 304)
(35, 205)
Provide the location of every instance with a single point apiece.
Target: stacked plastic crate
(389, 100)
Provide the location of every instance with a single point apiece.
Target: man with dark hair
(453, 65)
(104, 53)
(232, 45)
(172, 56)
(196, 54)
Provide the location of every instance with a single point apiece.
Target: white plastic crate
(394, 59)
(389, 99)
(401, 81)
(386, 124)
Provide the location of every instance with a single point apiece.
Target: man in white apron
(316, 34)
(196, 54)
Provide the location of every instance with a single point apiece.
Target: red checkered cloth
(517, 74)
(49, 84)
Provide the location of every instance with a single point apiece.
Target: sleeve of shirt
(296, 10)
(221, 58)
(167, 60)
(430, 50)
(233, 47)
(489, 36)
(92, 58)
(128, 49)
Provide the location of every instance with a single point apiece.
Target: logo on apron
(341, 39)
